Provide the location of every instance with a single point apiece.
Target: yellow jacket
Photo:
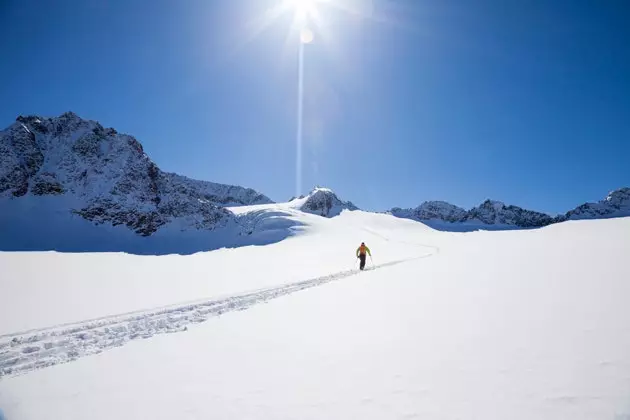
(361, 250)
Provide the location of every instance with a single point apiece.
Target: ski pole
(372, 261)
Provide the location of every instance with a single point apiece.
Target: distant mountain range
(105, 177)
(496, 213)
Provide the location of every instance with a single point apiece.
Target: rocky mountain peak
(105, 177)
(619, 198)
(616, 204)
(324, 202)
(432, 210)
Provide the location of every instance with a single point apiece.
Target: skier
(361, 253)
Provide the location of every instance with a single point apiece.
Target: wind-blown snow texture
(106, 178)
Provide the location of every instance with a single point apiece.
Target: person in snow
(362, 251)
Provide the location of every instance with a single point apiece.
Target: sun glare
(303, 8)
(305, 14)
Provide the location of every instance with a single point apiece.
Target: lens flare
(306, 36)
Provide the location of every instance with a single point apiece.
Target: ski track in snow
(26, 351)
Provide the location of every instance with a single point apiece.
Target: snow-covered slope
(514, 325)
(105, 177)
(616, 204)
(323, 202)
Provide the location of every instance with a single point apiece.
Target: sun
(306, 17)
(303, 8)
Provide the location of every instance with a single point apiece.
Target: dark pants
(362, 258)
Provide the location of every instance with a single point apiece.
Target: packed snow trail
(25, 351)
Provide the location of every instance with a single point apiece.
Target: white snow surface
(526, 324)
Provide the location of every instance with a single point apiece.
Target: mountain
(497, 213)
(323, 202)
(616, 204)
(432, 210)
(69, 165)
(488, 213)
(105, 177)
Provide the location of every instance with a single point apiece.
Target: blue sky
(404, 100)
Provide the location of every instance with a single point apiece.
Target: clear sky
(524, 101)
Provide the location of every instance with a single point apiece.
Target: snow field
(493, 325)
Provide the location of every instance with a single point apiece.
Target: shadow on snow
(73, 234)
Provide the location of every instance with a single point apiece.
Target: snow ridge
(105, 177)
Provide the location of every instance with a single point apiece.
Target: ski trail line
(436, 249)
(25, 351)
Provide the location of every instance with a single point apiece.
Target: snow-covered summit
(323, 202)
(106, 177)
(616, 204)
